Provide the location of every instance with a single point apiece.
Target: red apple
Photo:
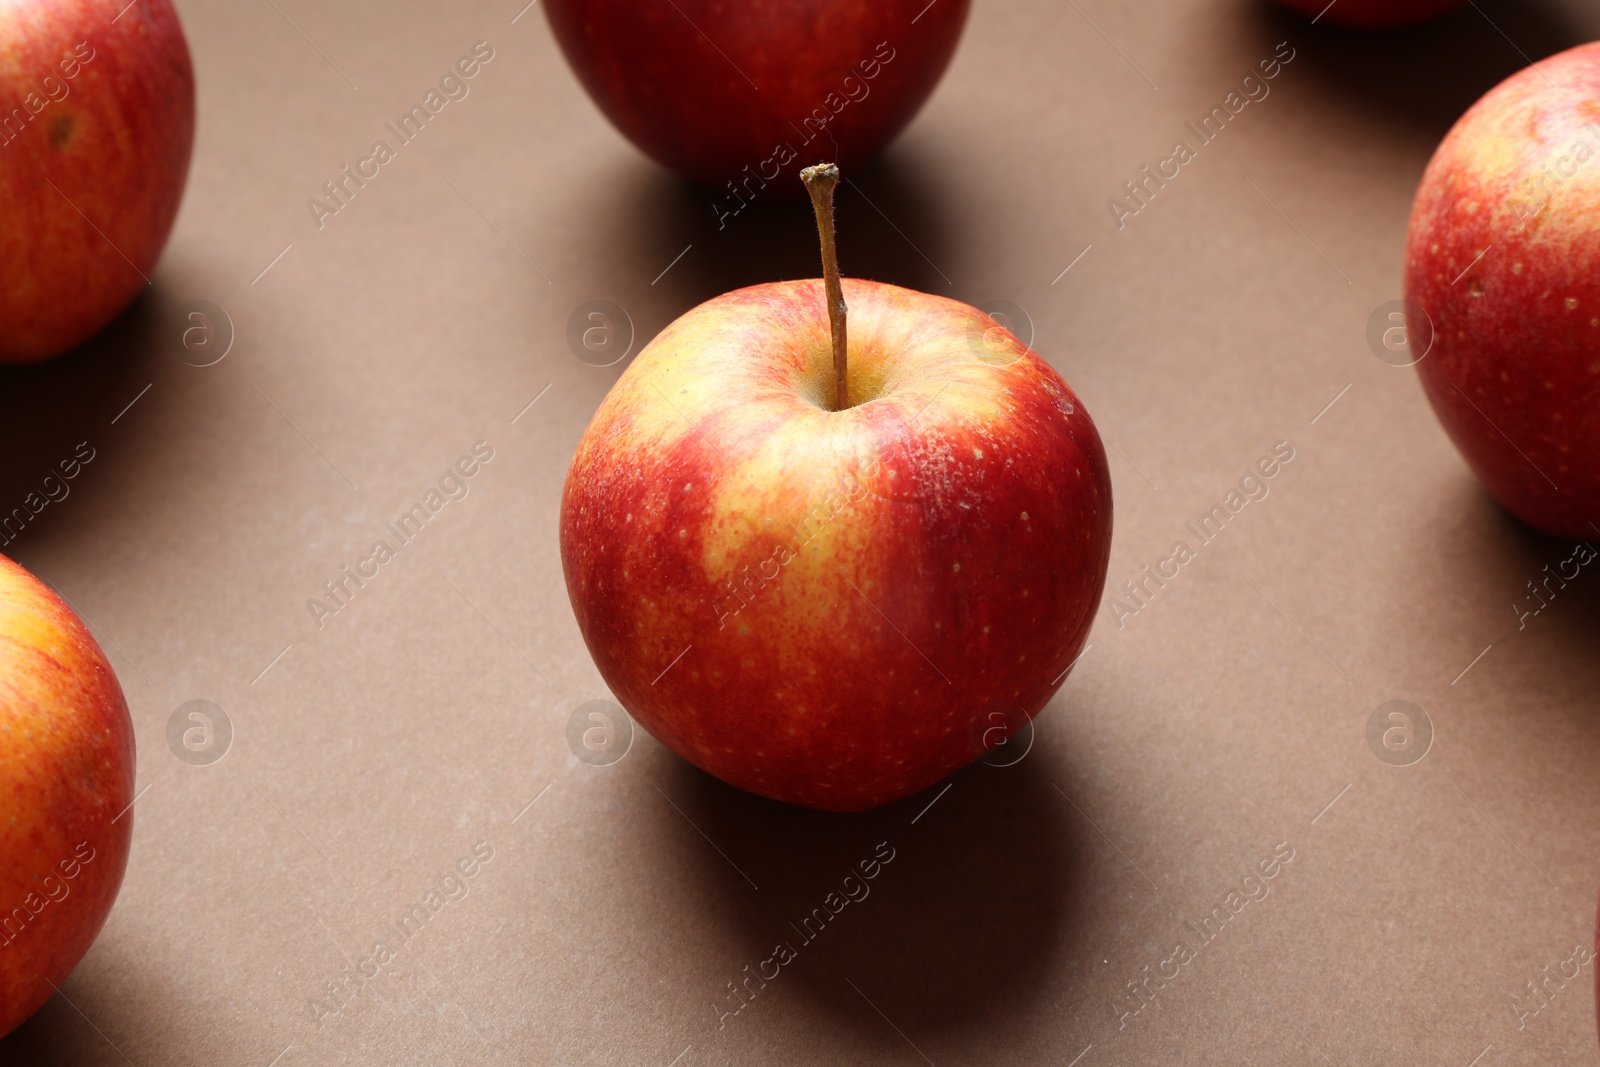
(1503, 255)
(66, 775)
(96, 121)
(1373, 14)
(836, 606)
(730, 94)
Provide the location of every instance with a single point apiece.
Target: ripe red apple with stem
(1373, 14)
(832, 559)
(66, 783)
(96, 123)
(1503, 256)
(730, 94)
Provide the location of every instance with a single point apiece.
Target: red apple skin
(66, 774)
(1514, 371)
(1374, 14)
(116, 149)
(669, 77)
(932, 554)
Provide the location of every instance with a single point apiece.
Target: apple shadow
(1566, 632)
(973, 908)
(47, 408)
(61, 1034)
(1427, 74)
(889, 224)
(55, 1036)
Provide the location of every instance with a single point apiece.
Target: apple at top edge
(1373, 14)
(1503, 256)
(96, 124)
(732, 95)
(66, 783)
(830, 607)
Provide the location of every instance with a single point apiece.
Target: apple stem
(820, 182)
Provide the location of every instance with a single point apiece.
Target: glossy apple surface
(1373, 14)
(95, 132)
(66, 774)
(1503, 255)
(831, 607)
(736, 92)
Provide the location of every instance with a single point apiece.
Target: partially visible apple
(66, 775)
(96, 122)
(1503, 255)
(1373, 14)
(730, 94)
(836, 606)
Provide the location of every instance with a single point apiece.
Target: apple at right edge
(1503, 256)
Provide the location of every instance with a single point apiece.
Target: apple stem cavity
(820, 182)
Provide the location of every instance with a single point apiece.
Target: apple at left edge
(836, 608)
(66, 783)
(96, 126)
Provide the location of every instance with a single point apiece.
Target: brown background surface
(1221, 720)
